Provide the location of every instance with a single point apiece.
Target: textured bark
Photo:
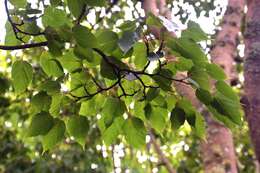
(218, 152)
(252, 72)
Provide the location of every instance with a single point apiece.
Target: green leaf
(18, 3)
(152, 93)
(200, 126)
(183, 64)
(215, 72)
(164, 79)
(226, 90)
(112, 108)
(111, 133)
(188, 49)
(228, 107)
(139, 110)
(158, 118)
(56, 102)
(84, 37)
(84, 53)
(128, 26)
(177, 118)
(55, 2)
(204, 96)
(96, 3)
(70, 62)
(54, 136)
(50, 86)
(152, 20)
(22, 73)
(194, 32)
(139, 53)
(201, 77)
(107, 71)
(10, 38)
(54, 17)
(171, 101)
(222, 118)
(88, 108)
(107, 41)
(50, 65)
(135, 132)
(186, 105)
(40, 125)
(76, 7)
(159, 101)
(55, 42)
(40, 102)
(78, 127)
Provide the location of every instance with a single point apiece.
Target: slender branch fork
(119, 72)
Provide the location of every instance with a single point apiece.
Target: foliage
(107, 82)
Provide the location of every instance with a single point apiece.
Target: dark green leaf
(78, 127)
(84, 37)
(177, 118)
(226, 90)
(135, 132)
(204, 96)
(76, 7)
(107, 41)
(40, 102)
(51, 87)
(113, 107)
(54, 136)
(50, 65)
(215, 72)
(107, 71)
(200, 77)
(40, 124)
(110, 134)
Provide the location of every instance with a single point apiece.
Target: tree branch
(23, 46)
(161, 155)
(15, 27)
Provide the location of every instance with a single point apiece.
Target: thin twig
(161, 155)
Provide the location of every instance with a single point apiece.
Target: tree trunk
(252, 72)
(218, 152)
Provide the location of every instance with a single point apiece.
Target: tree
(218, 151)
(251, 73)
(92, 68)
